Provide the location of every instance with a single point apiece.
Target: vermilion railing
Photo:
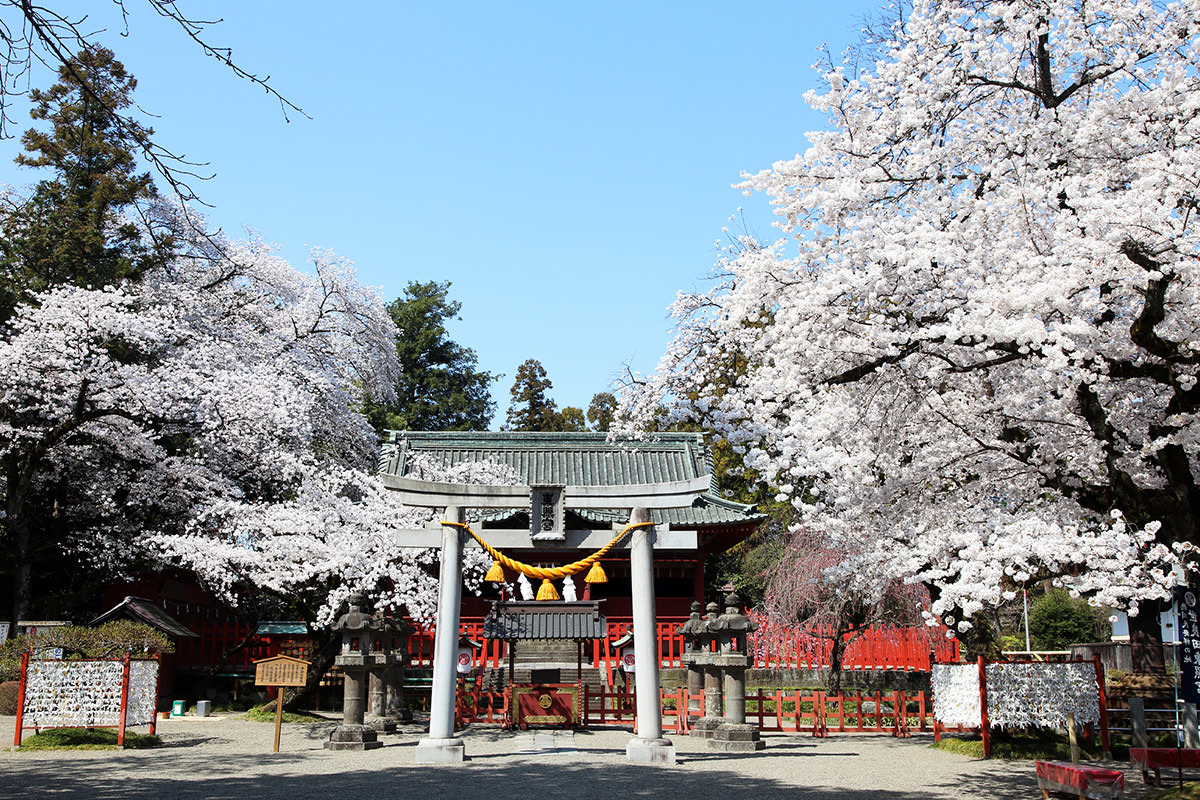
(773, 646)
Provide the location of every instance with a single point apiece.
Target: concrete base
(734, 737)
(650, 751)
(440, 751)
(353, 737)
(705, 727)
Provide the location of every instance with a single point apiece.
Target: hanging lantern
(596, 574)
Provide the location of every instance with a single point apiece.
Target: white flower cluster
(74, 694)
(1019, 695)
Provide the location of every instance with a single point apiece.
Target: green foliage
(572, 419)
(110, 640)
(439, 388)
(74, 229)
(530, 408)
(86, 739)
(266, 713)
(602, 411)
(1057, 620)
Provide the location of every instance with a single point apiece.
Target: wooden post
(154, 707)
(21, 696)
(278, 715)
(1105, 741)
(124, 699)
(984, 726)
(1137, 722)
(1072, 735)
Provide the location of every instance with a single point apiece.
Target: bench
(1155, 758)
(1081, 780)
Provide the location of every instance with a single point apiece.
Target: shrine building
(589, 459)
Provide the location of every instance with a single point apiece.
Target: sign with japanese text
(1189, 642)
(280, 671)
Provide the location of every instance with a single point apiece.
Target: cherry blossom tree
(801, 589)
(223, 376)
(974, 351)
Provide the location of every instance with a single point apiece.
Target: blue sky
(567, 166)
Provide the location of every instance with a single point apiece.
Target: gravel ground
(226, 757)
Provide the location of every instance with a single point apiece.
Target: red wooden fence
(773, 647)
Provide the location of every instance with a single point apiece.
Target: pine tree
(439, 388)
(76, 227)
(531, 409)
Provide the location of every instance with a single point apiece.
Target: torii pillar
(441, 746)
(649, 746)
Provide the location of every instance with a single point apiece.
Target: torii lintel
(432, 494)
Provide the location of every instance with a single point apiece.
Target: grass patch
(263, 714)
(85, 739)
(1028, 745)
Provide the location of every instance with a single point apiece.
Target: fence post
(1105, 742)
(1137, 723)
(983, 709)
(21, 696)
(125, 699)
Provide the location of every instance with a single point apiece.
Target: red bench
(1155, 758)
(1079, 779)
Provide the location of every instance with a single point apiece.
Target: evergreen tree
(439, 387)
(531, 409)
(76, 227)
(572, 419)
(602, 410)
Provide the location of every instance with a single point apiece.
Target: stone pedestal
(650, 751)
(440, 751)
(353, 737)
(705, 727)
(733, 737)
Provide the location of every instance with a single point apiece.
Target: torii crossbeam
(548, 505)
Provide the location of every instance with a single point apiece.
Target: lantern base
(733, 737)
(353, 737)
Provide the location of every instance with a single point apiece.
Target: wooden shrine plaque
(280, 671)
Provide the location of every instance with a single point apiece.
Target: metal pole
(1025, 599)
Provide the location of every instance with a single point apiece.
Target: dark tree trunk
(1145, 640)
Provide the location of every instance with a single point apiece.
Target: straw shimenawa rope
(550, 573)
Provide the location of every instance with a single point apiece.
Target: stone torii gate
(548, 505)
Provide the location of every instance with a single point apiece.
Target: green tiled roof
(580, 459)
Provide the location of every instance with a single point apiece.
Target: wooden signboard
(280, 671)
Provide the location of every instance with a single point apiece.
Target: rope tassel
(495, 574)
(596, 574)
(547, 591)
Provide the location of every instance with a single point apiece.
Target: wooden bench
(1155, 758)
(1081, 780)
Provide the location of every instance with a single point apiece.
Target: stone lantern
(697, 641)
(361, 652)
(731, 631)
(386, 706)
